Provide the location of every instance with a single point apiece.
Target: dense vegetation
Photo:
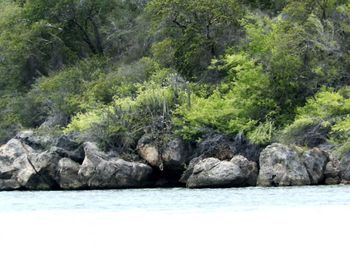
(113, 70)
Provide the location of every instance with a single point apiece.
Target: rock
(9, 185)
(102, 171)
(189, 171)
(13, 159)
(212, 172)
(175, 155)
(34, 140)
(148, 150)
(68, 175)
(22, 167)
(217, 146)
(44, 176)
(225, 148)
(77, 155)
(281, 166)
(312, 136)
(315, 161)
(345, 169)
(171, 157)
(248, 168)
(63, 145)
(332, 172)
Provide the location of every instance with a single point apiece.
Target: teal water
(177, 200)
(289, 225)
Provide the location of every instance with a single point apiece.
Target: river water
(297, 224)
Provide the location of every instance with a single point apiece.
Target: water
(299, 224)
(177, 200)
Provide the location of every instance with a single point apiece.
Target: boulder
(280, 165)
(212, 173)
(44, 176)
(189, 171)
(175, 155)
(248, 168)
(217, 146)
(315, 161)
(102, 171)
(68, 175)
(345, 169)
(34, 140)
(76, 155)
(63, 145)
(332, 172)
(23, 168)
(171, 157)
(9, 153)
(149, 151)
(224, 147)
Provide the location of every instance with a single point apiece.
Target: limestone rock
(315, 161)
(102, 171)
(68, 175)
(212, 172)
(281, 166)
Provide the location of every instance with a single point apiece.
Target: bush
(121, 124)
(9, 119)
(237, 106)
(323, 118)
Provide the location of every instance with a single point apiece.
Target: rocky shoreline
(33, 162)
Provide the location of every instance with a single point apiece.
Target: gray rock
(281, 166)
(76, 155)
(217, 146)
(248, 168)
(68, 175)
(332, 172)
(22, 167)
(44, 176)
(175, 155)
(103, 171)
(63, 145)
(13, 162)
(148, 150)
(345, 169)
(315, 161)
(212, 172)
(225, 148)
(169, 157)
(189, 171)
(34, 140)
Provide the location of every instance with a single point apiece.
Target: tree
(88, 26)
(200, 30)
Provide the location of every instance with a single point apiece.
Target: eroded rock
(22, 167)
(103, 171)
(212, 172)
(68, 175)
(281, 166)
(315, 161)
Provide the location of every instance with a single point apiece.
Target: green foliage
(242, 103)
(23, 48)
(262, 134)
(64, 91)
(125, 120)
(113, 70)
(9, 121)
(194, 31)
(329, 109)
(87, 27)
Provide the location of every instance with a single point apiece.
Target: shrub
(325, 117)
(122, 123)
